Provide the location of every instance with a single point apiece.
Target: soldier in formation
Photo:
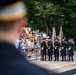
(70, 47)
(67, 50)
(56, 50)
(43, 48)
(50, 50)
(63, 49)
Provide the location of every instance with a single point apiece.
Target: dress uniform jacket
(70, 46)
(56, 48)
(43, 47)
(64, 46)
(13, 63)
(50, 48)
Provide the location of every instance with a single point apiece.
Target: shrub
(74, 48)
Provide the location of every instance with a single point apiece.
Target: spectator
(44, 35)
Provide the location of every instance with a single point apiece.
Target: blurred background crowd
(35, 43)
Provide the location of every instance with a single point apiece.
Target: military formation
(57, 51)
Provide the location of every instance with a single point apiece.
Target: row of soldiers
(64, 49)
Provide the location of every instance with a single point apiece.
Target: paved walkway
(58, 67)
(55, 66)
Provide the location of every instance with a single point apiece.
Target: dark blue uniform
(50, 50)
(70, 46)
(43, 48)
(56, 50)
(63, 50)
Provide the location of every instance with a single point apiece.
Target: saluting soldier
(43, 48)
(50, 50)
(70, 46)
(56, 50)
(63, 49)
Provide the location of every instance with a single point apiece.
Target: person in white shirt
(44, 35)
(29, 44)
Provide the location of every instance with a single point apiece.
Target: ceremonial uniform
(63, 50)
(70, 46)
(50, 50)
(12, 62)
(56, 50)
(43, 48)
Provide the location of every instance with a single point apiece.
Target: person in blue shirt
(20, 44)
(23, 37)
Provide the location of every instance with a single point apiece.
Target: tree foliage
(46, 13)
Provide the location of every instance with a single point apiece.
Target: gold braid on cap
(12, 12)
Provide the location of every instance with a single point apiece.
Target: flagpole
(61, 35)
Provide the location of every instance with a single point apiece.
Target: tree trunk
(46, 28)
(57, 25)
(47, 23)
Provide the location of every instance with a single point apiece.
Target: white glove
(62, 47)
(69, 48)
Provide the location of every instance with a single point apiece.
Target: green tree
(46, 13)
